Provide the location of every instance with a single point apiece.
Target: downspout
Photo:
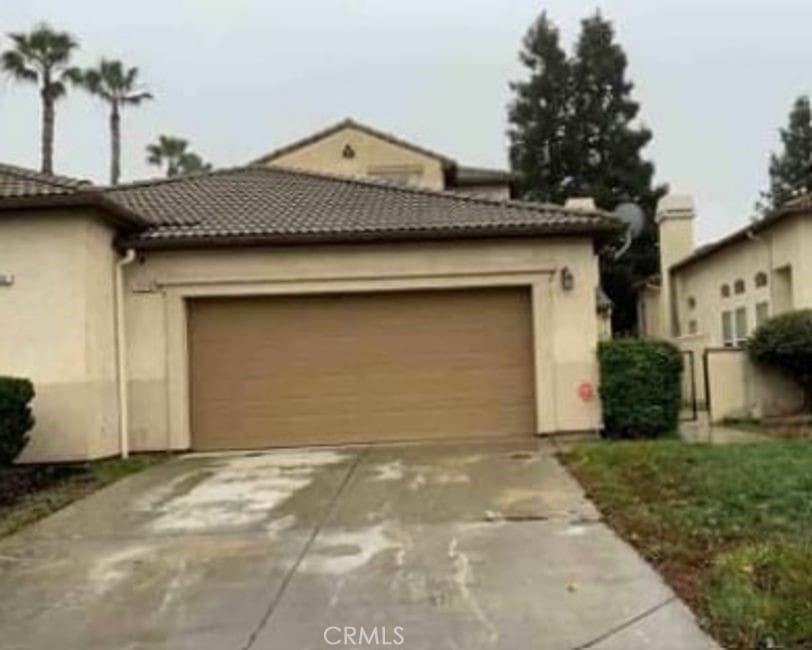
(121, 356)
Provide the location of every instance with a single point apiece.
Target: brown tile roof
(26, 189)
(276, 205)
(17, 182)
(799, 205)
(350, 123)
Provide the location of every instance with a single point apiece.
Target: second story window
(691, 302)
(727, 329)
(760, 280)
(741, 325)
(725, 291)
(397, 174)
(738, 286)
(762, 312)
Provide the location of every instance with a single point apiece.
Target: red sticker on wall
(586, 392)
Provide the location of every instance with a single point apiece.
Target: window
(727, 329)
(691, 302)
(741, 325)
(762, 312)
(397, 174)
(692, 326)
(725, 291)
(738, 286)
(760, 280)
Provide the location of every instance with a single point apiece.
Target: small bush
(16, 419)
(640, 387)
(785, 343)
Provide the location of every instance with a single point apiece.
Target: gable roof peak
(349, 122)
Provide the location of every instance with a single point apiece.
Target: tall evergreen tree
(573, 133)
(538, 115)
(607, 161)
(791, 170)
(606, 145)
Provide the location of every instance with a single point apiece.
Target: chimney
(675, 220)
(580, 203)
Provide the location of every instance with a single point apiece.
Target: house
(723, 290)
(260, 306)
(350, 148)
(714, 296)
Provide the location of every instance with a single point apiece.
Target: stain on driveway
(463, 545)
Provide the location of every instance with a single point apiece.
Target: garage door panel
(360, 367)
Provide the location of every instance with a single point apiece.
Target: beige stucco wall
(649, 313)
(788, 243)
(57, 328)
(783, 250)
(565, 326)
(371, 154)
(741, 389)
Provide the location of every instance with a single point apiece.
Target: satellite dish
(631, 216)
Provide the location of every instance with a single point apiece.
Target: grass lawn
(730, 527)
(31, 492)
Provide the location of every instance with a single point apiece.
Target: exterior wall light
(567, 279)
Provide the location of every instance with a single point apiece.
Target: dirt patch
(18, 482)
(31, 492)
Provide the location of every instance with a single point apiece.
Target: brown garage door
(328, 369)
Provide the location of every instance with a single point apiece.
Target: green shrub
(785, 343)
(640, 387)
(16, 419)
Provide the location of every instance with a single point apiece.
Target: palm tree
(117, 86)
(173, 152)
(42, 57)
(191, 163)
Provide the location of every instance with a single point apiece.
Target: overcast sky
(716, 79)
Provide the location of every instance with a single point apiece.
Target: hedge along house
(710, 299)
(258, 306)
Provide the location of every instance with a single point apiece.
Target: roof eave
(740, 235)
(116, 214)
(591, 231)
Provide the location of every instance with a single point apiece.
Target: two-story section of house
(709, 300)
(722, 291)
(350, 148)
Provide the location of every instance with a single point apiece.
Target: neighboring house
(261, 306)
(350, 148)
(722, 291)
(714, 296)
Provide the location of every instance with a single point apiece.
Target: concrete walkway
(438, 546)
(701, 430)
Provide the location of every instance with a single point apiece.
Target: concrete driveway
(423, 546)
